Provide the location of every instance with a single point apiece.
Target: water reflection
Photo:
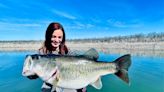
(146, 75)
(151, 53)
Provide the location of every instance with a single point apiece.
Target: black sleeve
(32, 77)
(80, 90)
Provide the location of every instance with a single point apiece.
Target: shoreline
(134, 48)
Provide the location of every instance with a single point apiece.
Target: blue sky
(28, 19)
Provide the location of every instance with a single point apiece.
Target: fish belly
(80, 82)
(72, 84)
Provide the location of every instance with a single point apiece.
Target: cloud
(64, 14)
(123, 24)
(79, 26)
(8, 26)
(86, 25)
(95, 20)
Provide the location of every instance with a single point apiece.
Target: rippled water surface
(146, 75)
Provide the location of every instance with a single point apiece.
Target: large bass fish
(75, 71)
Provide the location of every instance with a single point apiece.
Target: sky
(28, 19)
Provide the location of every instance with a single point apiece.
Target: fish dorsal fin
(92, 54)
(97, 84)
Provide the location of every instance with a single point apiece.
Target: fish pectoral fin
(97, 84)
(53, 79)
(92, 54)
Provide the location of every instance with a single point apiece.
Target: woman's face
(57, 37)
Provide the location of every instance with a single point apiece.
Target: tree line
(150, 37)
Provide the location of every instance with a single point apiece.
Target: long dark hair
(50, 29)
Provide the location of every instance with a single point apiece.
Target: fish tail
(123, 63)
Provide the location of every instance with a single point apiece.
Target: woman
(54, 40)
(54, 44)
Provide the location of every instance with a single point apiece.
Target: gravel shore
(134, 48)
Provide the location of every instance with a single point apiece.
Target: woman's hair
(50, 29)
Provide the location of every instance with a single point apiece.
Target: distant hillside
(151, 37)
(139, 44)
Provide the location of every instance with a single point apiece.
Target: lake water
(146, 75)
